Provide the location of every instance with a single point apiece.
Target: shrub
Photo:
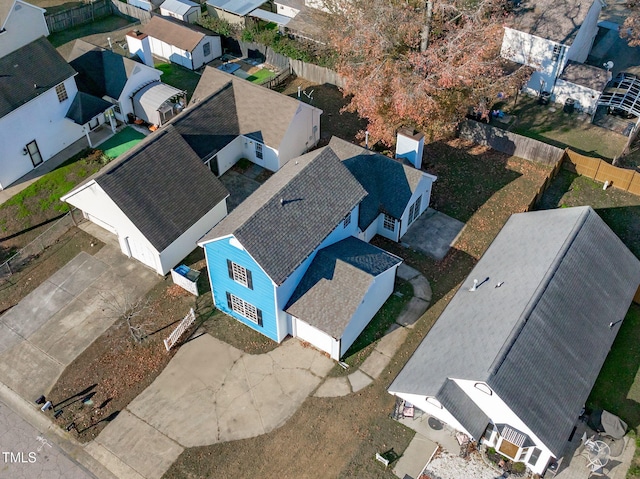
(518, 468)
(218, 25)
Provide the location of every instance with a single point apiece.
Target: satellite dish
(608, 65)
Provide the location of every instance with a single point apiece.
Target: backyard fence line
(601, 171)
(510, 143)
(125, 10)
(276, 81)
(547, 182)
(42, 242)
(80, 15)
(177, 333)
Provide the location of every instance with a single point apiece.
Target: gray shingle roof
(462, 407)
(541, 338)
(185, 36)
(84, 107)
(162, 186)
(317, 192)
(333, 287)
(28, 72)
(585, 75)
(254, 110)
(376, 173)
(238, 7)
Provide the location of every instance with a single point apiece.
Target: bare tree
(125, 305)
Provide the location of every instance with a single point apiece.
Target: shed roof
(162, 186)
(585, 75)
(270, 16)
(334, 286)
(376, 172)
(238, 7)
(181, 7)
(29, 72)
(297, 4)
(540, 339)
(295, 209)
(185, 36)
(84, 107)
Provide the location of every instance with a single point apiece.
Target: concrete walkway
(433, 233)
(210, 392)
(374, 365)
(415, 457)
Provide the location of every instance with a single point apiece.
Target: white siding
(180, 248)
(317, 338)
(581, 46)
(171, 53)
(368, 234)
(378, 293)
(423, 189)
(499, 412)
(586, 98)
(286, 10)
(190, 16)
(24, 24)
(42, 119)
(385, 233)
(141, 75)
(198, 56)
(303, 133)
(438, 412)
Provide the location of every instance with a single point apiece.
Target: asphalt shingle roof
(175, 32)
(28, 72)
(317, 192)
(540, 339)
(376, 172)
(462, 407)
(333, 287)
(238, 7)
(84, 107)
(178, 6)
(162, 186)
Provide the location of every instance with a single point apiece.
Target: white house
(516, 352)
(184, 10)
(187, 45)
(122, 81)
(238, 119)
(545, 35)
(288, 8)
(158, 199)
(20, 24)
(40, 112)
(582, 83)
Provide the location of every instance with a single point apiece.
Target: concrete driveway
(51, 326)
(433, 233)
(210, 392)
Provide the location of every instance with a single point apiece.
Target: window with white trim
(535, 455)
(244, 309)
(389, 223)
(240, 274)
(61, 91)
(414, 209)
(259, 150)
(484, 388)
(434, 402)
(206, 49)
(557, 49)
(347, 220)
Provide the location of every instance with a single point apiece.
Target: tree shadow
(109, 418)
(79, 396)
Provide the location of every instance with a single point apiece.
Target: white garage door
(317, 338)
(141, 252)
(101, 223)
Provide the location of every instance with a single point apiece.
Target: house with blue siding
(291, 259)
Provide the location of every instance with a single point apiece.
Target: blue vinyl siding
(261, 296)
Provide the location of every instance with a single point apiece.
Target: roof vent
(282, 201)
(475, 285)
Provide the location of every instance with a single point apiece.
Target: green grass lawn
(261, 76)
(121, 142)
(562, 129)
(179, 77)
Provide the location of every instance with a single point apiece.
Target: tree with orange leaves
(419, 65)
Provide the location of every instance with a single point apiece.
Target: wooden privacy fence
(550, 176)
(600, 170)
(78, 15)
(177, 333)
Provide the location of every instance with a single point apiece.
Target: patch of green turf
(179, 77)
(121, 142)
(261, 76)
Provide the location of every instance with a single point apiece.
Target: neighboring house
(512, 360)
(184, 10)
(132, 87)
(289, 8)
(187, 45)
(158, 199)
(20, 24)
(40, 110)
(622, 97)
(291, 260)
(235, 119)
(582, 83)
(233, 11)
(545, 35)
(397, 194)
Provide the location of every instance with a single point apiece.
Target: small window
(94, 123)
(535, 455)
(484, 388)
(116, 108)
(556, 52)
(414, 209)
(247, 310)
(206, 49)
(347, 220)
(434, 402)
(522, 454)
(240, 274)
(488, 432)
(389, 223)
(34, 152)
(61, 91)
(259, 150)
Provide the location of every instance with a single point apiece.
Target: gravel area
(448, 466)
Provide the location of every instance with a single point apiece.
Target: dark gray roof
(556, 20)
(585, 75)
(28, 72)
(101, 72)
(541, 338)
(317, 192)
(376, 172)
(333, 287)
(162, 186)
(462, 407)
(84, 107)
(305, 24)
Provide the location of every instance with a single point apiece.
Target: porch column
(86, 133)
(112, 119)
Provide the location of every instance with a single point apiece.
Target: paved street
(26, 453)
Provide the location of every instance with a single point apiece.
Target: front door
(34, 153)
